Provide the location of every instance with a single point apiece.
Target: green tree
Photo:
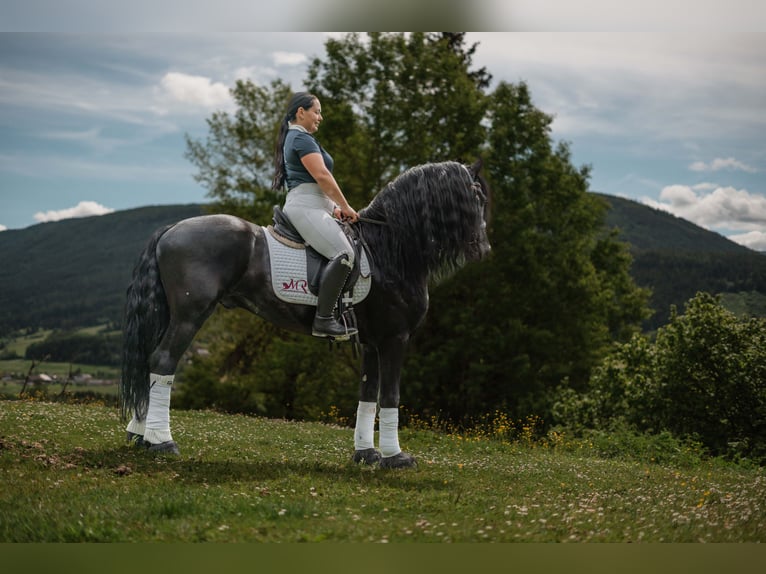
(554, 295)
(235, 162)
(62, 346)
(389, 102)
(704, 377)
(396, 100)
(505, 332)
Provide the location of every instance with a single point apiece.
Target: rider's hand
(346, 213)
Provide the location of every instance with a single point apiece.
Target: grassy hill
(69, 477)
(677, 259)
(650, 229)
(74, 273)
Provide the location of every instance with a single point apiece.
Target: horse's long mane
(432, 215)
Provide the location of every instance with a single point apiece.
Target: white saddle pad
(289, 274)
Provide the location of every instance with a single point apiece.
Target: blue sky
(91, 123)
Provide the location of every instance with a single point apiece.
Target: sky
(94, 119)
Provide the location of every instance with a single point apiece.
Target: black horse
(426, 223)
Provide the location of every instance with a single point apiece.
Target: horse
(424, 225)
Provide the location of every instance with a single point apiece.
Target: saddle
(283, 230)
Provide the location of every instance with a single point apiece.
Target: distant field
(20, 344)
(19, 368)
(96, 330)
(13, 388)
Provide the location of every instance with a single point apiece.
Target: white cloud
(720, 163)
(255, 74)
(723, 208)
(3, 228)
(289, 58)
(73, 135)
(82, 209)
(196, 90)
(705, 186)
(753, 239)
(676, 87)
(679, 196)
(600, 15)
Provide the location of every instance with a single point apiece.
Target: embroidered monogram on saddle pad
(289, 274)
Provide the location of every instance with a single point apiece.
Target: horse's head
(479, 247)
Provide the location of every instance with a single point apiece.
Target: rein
(373, 221)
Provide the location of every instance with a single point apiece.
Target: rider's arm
(315, 165)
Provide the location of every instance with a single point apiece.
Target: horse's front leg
(364, 432)
(391, 358)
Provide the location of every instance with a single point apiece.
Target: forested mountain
(676, 259)
(75, 272)
(649, 229)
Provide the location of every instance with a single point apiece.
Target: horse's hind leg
(154, 430)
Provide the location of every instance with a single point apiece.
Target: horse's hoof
(167, 447)
(401, 460)
(135, 440)
(367, 456)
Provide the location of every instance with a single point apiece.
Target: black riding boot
(330, 287)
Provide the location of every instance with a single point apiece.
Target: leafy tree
(62, 346)
(544, 308)
(396, 100)
(389, 103)
(235, 162)
(555, 293)
(704, 377)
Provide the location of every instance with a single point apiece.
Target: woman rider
(313, 200)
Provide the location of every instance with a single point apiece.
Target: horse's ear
(475, 168)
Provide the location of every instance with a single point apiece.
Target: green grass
(67, 476)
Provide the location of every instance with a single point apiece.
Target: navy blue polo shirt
(299, 143)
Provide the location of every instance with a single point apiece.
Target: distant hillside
(75, 272)
(649, 229)
(676, 259)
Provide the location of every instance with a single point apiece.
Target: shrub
(702, 378)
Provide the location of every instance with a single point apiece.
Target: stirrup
(332, 328)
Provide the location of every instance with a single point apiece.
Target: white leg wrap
(364, 434)
(136, 427)
(158, 414)
(389, 432)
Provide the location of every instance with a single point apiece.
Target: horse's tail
(146, 318)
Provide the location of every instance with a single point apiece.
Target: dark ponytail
(303, 100)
